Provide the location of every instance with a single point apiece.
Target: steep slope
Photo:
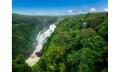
(24, 32)
(41, 39)
(79, 44)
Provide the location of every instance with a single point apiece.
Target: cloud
(93, 10)
(105, 9)
(69, 11)
(73, 11)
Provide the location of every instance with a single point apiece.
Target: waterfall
(41, 39)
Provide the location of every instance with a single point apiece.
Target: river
(41, 39)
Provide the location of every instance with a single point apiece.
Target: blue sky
(58, 7)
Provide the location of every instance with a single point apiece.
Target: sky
(58, 7)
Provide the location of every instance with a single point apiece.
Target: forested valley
(78, 44)
(24, 31)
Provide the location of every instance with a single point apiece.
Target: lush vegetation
(24, 31)
(79, 44)
(19, 65)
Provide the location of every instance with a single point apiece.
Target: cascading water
(41, 39)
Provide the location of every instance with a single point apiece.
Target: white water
(41, 39)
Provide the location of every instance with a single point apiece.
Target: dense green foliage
(19, 65)
(79, 44)
(24, 31)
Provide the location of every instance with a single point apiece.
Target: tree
(86, 33)
(95, 42)
(54, 53)
(103, 30)
(62, 67)
(19, 65)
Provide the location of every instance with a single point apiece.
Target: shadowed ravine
(41, 39)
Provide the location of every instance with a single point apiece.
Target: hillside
(24, 32)
(78, 44)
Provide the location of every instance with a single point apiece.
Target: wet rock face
(38, 53)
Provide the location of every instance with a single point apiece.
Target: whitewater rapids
(41, 39)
